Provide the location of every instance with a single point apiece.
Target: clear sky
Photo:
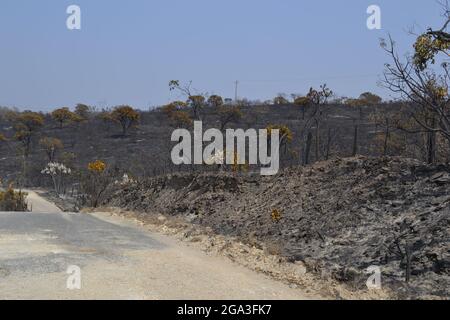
(127, 51)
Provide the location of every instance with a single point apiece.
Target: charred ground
(337, 217)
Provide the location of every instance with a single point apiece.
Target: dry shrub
(11, 200)
(95, 183)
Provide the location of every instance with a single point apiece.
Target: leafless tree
(426, 92)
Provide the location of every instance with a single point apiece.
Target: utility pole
(236, 84)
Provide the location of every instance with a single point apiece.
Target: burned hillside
(144, 150)
(338, 217)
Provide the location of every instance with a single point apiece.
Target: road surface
(118, 259)
(38, 204)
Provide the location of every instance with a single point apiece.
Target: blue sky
(127, 51)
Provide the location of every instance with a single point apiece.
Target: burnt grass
(337, 217)
(145, 150)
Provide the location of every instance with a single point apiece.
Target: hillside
(338, 217)
(145, 150)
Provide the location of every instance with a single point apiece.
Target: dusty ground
(119, 259)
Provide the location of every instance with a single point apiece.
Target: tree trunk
(317, 140)
(54, 183)
(308, 148)
(431, 144)
(386, 141)
(327, 154)
(24, 170)
(355, 141)
(408, 257)
(431, 148)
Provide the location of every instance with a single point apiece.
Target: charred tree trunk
(408, 257)
(327, 152)
(387, 134)
(431, 144)
(431, 148)
(317, 140)
(308, 148)
(355, 140)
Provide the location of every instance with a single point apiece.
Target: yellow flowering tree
(95, 183)
(286, 135)
(196, 101)
(83, 111)
(64, 115)
(215, 101)
(97, 166)
(425, 88)
(177, 114)
(26, 125)
(428, 46)
(126, 116)
(303, 103)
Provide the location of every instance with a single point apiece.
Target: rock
(440, 200)
(441, 178)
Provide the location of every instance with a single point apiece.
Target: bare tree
(317, 98)
(196, 101)
(424, 88)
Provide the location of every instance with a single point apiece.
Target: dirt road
(118, 259)
(38, 204)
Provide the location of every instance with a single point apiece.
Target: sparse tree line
(317, 126)
(26, 137)
(313, 135)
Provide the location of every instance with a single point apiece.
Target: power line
(312, 78)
